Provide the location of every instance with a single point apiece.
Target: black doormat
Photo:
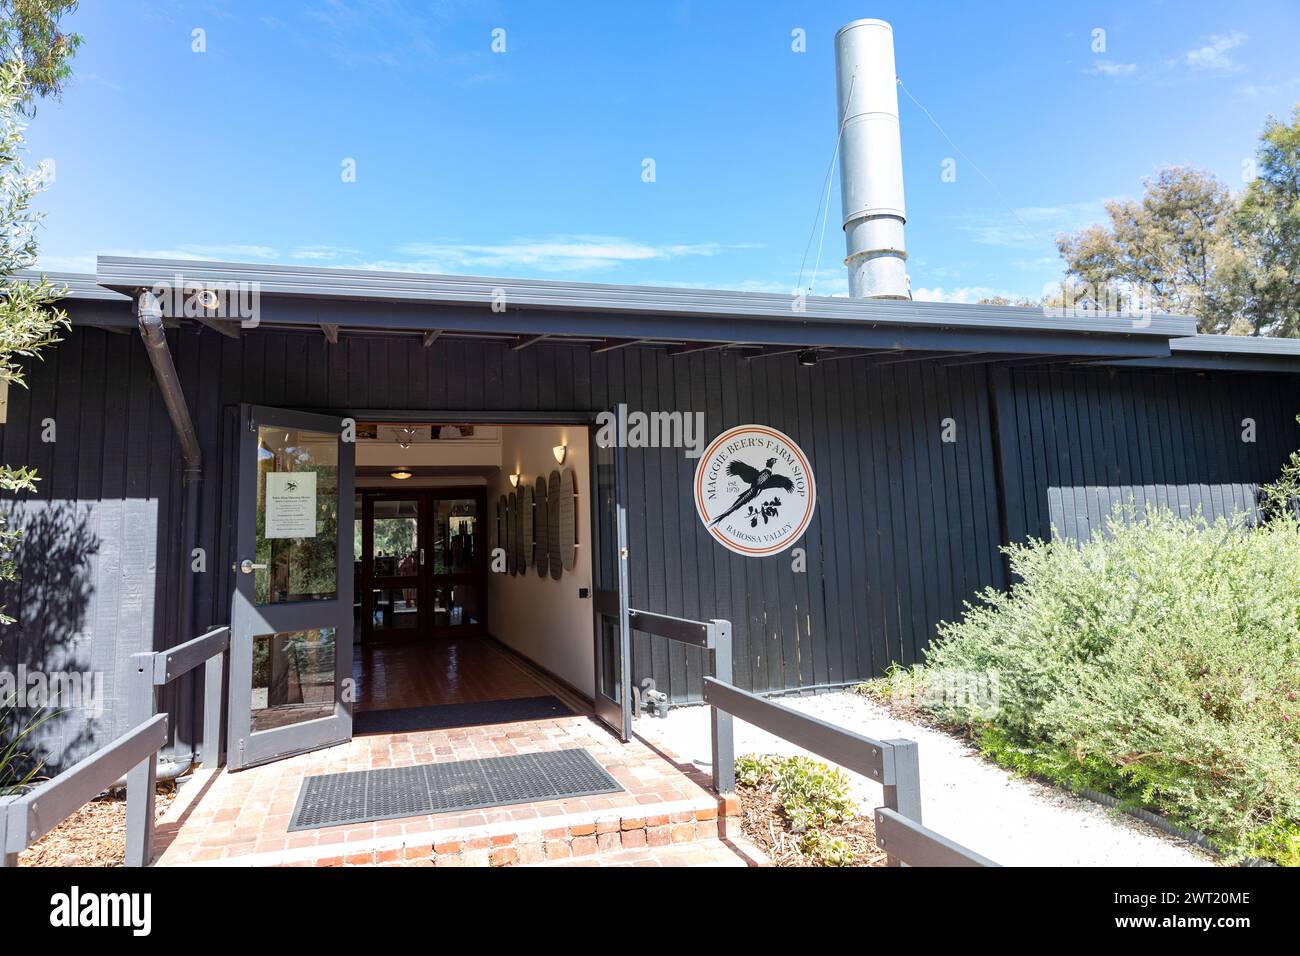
(476, 714)
(363, 796)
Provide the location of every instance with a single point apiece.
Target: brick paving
(666, 816)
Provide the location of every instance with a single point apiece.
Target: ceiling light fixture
(808, 358)
(401, 474)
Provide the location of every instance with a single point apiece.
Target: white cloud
(322, 253)
(1214, 54)
(554, 254)
(234, 252)
(81, 263)
(1111, 68)
(1032, 226)
(961, 294)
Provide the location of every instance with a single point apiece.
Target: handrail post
(903, 783)
(213, 675)
(10, 823)
(720, 722)
(141, 780)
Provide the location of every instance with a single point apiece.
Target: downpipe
(152, 331)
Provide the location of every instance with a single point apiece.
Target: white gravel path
(1013, 821)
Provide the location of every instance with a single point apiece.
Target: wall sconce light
(558, 451)
(401, 474)
(514, 480)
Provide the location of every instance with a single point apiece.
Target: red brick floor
(242, 818)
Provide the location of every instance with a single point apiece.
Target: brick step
(702, 852)
(514, 842)
(610, 833)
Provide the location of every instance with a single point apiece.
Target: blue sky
(529, 162)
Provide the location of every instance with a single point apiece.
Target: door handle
(248, 567)
(422, 557)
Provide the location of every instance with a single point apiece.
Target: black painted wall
(907, 527)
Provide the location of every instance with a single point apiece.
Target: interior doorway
(456, 623)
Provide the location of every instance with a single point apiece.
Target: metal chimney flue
(871, 161)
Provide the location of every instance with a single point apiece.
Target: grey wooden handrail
(27, 817)
(894, 764)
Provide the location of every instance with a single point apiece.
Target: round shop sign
(754, 490)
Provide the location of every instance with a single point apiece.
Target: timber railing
(27, 817)
(893, 764)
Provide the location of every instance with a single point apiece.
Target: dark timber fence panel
(906, 527)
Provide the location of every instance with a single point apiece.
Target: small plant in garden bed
(800, 812)
(19, 768)
(1158, 662)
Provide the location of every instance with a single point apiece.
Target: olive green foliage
(1159, 661)
(34, 62)
(1283, 495)
(1269, 214)
(30, 36)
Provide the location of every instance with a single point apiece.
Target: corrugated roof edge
(124, 273)
(80, 285)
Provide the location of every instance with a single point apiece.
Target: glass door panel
(293, 677)
(294, 603)
(457, 567)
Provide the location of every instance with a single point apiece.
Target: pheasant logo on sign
(754, 490)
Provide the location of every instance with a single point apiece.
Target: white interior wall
(542, 618)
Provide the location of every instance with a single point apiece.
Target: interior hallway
(447, 670)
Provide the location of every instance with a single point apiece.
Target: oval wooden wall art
(501, 524)
(568, 519)
(541, 560)
(553, 526)
(520, 567)
(526, 527)
(511, 507)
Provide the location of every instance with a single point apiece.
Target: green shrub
(1162, 658)
(811, 793)
(826, 850)
(812, 797)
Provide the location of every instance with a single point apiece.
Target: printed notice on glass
(290, 504)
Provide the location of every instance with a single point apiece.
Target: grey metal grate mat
(363, 796)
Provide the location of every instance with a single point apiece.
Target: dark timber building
(1050, 422)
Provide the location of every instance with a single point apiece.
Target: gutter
(152, 331)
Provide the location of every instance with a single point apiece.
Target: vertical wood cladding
(906, 528)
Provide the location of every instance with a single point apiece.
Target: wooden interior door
(422, 570)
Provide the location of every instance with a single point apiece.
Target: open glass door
(291, 612)
(613, 697)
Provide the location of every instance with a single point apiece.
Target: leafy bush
(1160, 661)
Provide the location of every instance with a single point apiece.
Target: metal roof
(123, 274)
(610, 316)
